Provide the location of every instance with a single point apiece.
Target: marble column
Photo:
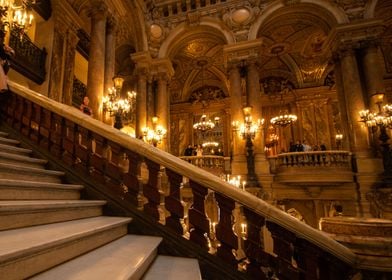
(254, 100)
(346, 144)
(96, 63)
(373, 73)
(110, 52)
(70, 50)
(141, 102)
(238, 164)
(358, 136)
(163, 109)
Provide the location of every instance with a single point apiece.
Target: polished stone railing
(213, 163)
(324, 159)
(111, 157)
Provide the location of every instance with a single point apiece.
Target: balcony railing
(215, 164)
(325, 159)
(29, 60)
(112, 158)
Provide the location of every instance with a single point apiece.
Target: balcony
(312, 167)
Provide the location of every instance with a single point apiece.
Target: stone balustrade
(215, 164)
(116, 162)
(324, 159)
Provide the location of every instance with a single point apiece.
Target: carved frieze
(354, 8)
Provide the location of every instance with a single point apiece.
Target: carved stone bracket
(236, 53)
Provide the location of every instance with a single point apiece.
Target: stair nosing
(35, 185)
(6, 140)
(32, 169)
(17, 149)
(22, 157)
(39, 205)
(12, 255)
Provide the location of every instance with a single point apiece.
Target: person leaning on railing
(5, 53)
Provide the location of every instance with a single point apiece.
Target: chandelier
(209, 144)
(16, 15)
(283, 120)
(117, 106)
(248, 128)
(155, 134)
(205, 124)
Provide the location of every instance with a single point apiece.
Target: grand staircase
(48, 232)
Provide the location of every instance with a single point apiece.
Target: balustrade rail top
(192, 172)
(315, 153)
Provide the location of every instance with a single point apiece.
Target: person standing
(85, 108)
(5, 53)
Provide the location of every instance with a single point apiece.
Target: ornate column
(110, 52)
(254, 100)
(238, 163)
(373, 71)
(358, 132)
(143, 67)
(163, 107)
(141, 102)
(96, 63)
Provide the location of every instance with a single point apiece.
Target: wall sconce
(155, 134)
(338, 139)
(248, 128)
(116, 106)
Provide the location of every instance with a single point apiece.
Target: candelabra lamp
(155, 134)
(16, 15)
(381, 119)
(248, 130)
(118, 107)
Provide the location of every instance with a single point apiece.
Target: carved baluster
(82, 149)
(26, 118)
(98, 157)
(173, 202)
(56, 135)
(197, 215)
(18, 112)
(131, 178)
(253, 245)
(151, 190)
(314, 263)
(35, 123)
(116, 168)
(224, 230)
(69, 142)
(45, 128)
(284, 247)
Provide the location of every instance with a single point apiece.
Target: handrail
(201, 177)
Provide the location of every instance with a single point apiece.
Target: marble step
(126, 258)
(15, 150)
(11, 171)
(27, 251)
(8, 141)
(173, 268)
(11, 189)
(23, 213)
(3, 134)
(22, 160)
